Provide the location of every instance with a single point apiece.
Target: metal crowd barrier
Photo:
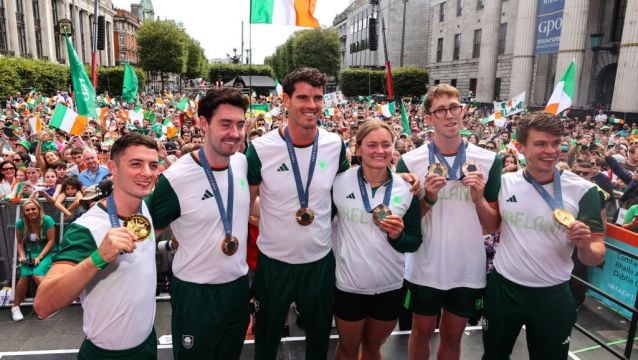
(629, 343)
(10, 212)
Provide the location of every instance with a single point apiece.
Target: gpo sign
(548, 26)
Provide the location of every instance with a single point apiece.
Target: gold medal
(305, 216)
(230, 245)
(379, 213)
(438, 169)
(469, 166)
(139, 225)
(563, 217)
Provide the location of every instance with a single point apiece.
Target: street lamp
(596, 44)
(234, 59)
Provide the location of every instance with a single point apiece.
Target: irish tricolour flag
(68, 120)
(284, 12)
(563, 92)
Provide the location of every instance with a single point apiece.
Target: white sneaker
(16, 314)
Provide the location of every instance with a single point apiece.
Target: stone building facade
(125, 37)
(28, 29)
(486, 47)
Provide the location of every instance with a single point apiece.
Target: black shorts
(355, 307)
(461, 301)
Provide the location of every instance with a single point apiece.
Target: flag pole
(388, 69)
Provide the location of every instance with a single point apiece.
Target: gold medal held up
(469, 166)
(139, 225)
(438, 169)
(563, 217)
(230, 245)
(305, 216)
(379, 213)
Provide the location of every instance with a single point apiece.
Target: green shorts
(209, 321)
(461, 301)
(147, 350)
(548, 314)
(41, 270)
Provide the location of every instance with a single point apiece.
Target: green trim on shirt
(77, 244)
(589, 210)
(493, 185)
(254, 166)
(401, 167)
(411, 237)
(164, 204)
(344, 164)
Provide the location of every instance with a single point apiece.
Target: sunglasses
(490, 148)
(17, 160)
(582, 173)
(8, 169)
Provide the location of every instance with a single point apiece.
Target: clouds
(216, 24)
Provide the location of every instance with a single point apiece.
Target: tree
(194, 60)
(162, 46)
(318, 48)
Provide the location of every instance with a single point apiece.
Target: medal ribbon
(364, 192)
(225, 214)
(301, 193)
(112, 210)
(557, 201)
(458, 160)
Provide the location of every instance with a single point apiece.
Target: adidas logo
(351, 196)
(283, 167)
(512, 199)
(207, 195)
(567, 341)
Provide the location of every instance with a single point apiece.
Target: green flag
(82, 87)
(405, 123)
(183, 104)
(129, 85)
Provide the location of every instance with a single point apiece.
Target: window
(457, 46)
(502, 36)
(38, 31)
(480, 4)
(3, 28)
(476, 48)
(56, 17)
(453, 82)
(459, 7)
(439, 50)
(22, 34)
(473, 87)
(442, 12)
(497, 89)
(619, 19)
(121, 40)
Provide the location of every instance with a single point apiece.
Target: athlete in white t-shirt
(209, 218)
(110, 268)
(448, 271)
(378, 219)
(546, 213)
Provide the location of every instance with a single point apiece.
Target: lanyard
(557, 201)
(458, 160)
(225, 214)
(364, 191)
(301, 193)
(112, 210)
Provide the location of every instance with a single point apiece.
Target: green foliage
(19, 74)
(110, 79)
(317, 48)
(409, 81)
(229, 71)
(162, 46)
(406, 81)
(195, 61)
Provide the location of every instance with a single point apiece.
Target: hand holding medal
(473, 179)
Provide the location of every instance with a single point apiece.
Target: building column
(626, 86)
(109, 42)
(489, 51)
(30, 28)
(12, 27)
(573, 39)
(523, 58)
(47, 29)
(63, 13)
(88, 45)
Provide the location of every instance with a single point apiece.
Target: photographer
(35, 234)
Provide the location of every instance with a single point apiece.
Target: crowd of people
(443, 214)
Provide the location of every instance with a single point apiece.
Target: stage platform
(59, 337)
